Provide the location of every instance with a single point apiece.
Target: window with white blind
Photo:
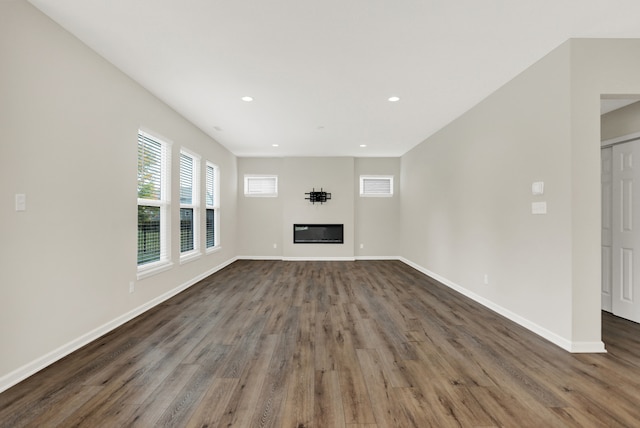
(261, 185)
(212, 240)
(189, 205)
(376, 185)
(154, 167)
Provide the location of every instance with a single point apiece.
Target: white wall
(259, 218)
(263, 222)
(466, 198)
(68, 140)
(377, 224)
(598, 67)
(68, 124)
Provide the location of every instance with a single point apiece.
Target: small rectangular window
(189, 205)
(261, 185)
(376, 185)
(212, 207)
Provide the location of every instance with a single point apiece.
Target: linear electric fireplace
(318, 234)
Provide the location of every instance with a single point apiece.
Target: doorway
(620, 199)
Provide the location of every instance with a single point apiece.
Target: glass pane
(186, 179)
(149, 168)
(186, 229)
(148, 234)
(211, 228)
(211, 177)
(376, 186)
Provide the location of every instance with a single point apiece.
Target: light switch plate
(21, 202)
(538, 208)
(537, 188)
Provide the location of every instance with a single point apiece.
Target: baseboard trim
(20, 374)
(319, 259)
(573, 347)
(276, 258)
(364, 258)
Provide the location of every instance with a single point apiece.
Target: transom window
(376, 185)
(261, 185)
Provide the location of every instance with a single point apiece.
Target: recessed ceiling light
(275, 145)
(363, 145)
(247, 99)
(394, 99)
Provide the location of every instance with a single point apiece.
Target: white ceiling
(321, 71)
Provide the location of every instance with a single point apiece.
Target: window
(376, 185)
(154, 166)
(261, 185)
(212, 207)
(189, 205)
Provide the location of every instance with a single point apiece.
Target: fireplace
(318, 234)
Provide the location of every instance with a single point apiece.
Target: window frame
(363, 192)
(194, 253)
(164, 203)
(215, 207)
(248, 177)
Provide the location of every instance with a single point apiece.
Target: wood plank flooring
(330, 344)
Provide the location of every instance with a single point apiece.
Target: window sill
(189, 257)
(213, 250)
(154, 269)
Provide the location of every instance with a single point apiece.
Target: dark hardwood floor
(330, 344)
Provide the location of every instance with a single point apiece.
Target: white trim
(154, 268)
(364, 258)
(190, 256)
(212, 250)
(552, 337)
(621, 139)
(587, 347)
(20, 374)
(319, 259)
(265, 177)
(388, 178)
(275, 258)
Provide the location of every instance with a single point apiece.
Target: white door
(625, 286)
(607, 205)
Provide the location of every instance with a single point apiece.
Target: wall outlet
(486, 279)
(132, 287)
(361, 246)
(275, 246)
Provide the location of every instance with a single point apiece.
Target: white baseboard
(574, 347)
(18, 375)
(378, 258)
(319, 259)
(259, 258)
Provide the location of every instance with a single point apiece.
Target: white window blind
(212, 206)
(153, 202)
(261, 185)
(189, 206)
(211, 185)
(149, 168)
(186, 179)
(376, 185)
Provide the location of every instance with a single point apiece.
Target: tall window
(212, 207)
(189, 205)
(154, 166)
